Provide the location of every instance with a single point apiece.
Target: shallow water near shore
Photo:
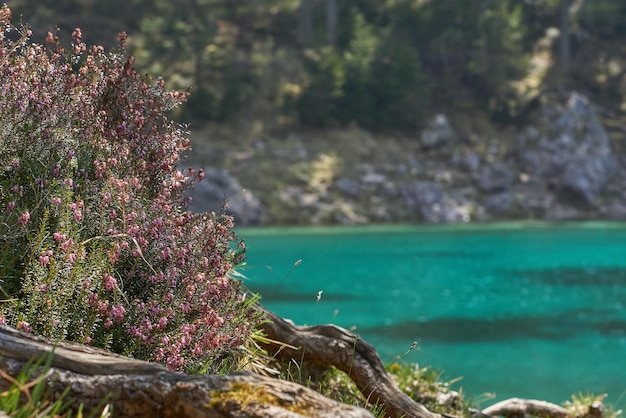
(533, 310)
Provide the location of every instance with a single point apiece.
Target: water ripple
(456, 330)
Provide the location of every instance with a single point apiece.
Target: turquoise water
(526, 310)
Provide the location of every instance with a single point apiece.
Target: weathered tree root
(140, 389)
(329, 345)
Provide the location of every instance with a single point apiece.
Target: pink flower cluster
(93, 198)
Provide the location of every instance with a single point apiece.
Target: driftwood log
(141, 389)
(516, 407)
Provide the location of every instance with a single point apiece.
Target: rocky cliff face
(562, 167)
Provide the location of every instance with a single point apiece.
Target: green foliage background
(392, 64)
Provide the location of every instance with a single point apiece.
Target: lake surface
(529, 310)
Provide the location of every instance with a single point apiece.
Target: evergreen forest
(382, 65)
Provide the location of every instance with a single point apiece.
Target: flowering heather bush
(96, 246)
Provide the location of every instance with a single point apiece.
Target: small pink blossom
(24, 218)
(121, 37)
(109, 282)
(117, 313)
(159, 354)
(24, 326)
(175, 361)
(44, 260)
(102, 307)
(197, 350)
(92, 299)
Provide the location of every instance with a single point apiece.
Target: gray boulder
(439, 132)
(217, 185)
(572, 153)
(468, 161)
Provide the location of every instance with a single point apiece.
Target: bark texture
(141, 389)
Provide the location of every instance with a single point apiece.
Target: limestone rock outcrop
(571, 152)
